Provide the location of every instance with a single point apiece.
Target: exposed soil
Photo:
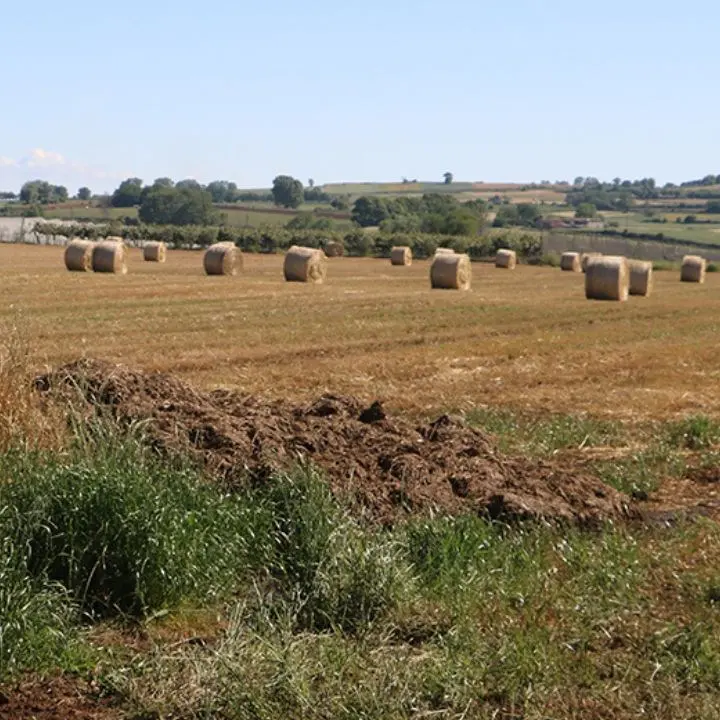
(387, 466)
(58, 698)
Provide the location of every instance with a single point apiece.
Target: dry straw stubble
(506, 259)
(641, 278)
(607, 278)
(570, 262)
(78, 255)
(451, 272)
(304, 264)
(222, 259)
(109, 256)
(401, 255)
(693, 269)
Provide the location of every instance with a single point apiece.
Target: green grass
(121, 531)
(545, 435)
(528, 623)
(256, 216)
(637, 223)
(322, 615)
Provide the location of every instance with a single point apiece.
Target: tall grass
(36, 618)
(499, 622)
(123, 531)
(24, 420)
(336, 572)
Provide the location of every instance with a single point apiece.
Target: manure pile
(386, 466)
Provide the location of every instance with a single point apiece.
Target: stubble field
(283, 590)
(526, 340)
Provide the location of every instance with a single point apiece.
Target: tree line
(357, 242)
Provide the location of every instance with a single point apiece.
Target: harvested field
(386, 465)
(526, 340)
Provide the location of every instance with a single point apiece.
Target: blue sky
(515, 91)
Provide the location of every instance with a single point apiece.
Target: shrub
(359, 243)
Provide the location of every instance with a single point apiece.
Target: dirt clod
(386, 465)
(57, 698)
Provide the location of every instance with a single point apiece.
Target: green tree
(528, 214)
(29, 192)
(221, 191)
(287, 191)
(438, 203)
(188, 184)
(507, 216)
(369, 211)
(84, 193)
(714, 207)
(448, 176)
(177, 206)
(308, 221)
(42, 192)
(586, 210)
(128, 193)
(340, 203)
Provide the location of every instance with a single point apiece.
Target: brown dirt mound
(387, 465)
(59, 698)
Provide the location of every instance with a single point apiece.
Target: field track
(526, 339)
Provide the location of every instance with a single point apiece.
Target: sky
(518, 91)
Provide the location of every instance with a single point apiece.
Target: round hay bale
(585, 257)
(693, 269)
(304, 264)
(334, 249)
(401, 255)
(451, 272)
(570, 262)
(155, 252)
(109, 256)
(607, 278)
(78, 255)
(641, 278)
(222, 259)
(506, 259)
(444, 251)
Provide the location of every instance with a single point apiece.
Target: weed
(696, 432)
(545, 435)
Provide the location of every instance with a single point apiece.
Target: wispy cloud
(39, 157)
(57, 165)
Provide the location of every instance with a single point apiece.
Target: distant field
(634, 222)
(462, 191)
(254, 216)
(399, 188)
